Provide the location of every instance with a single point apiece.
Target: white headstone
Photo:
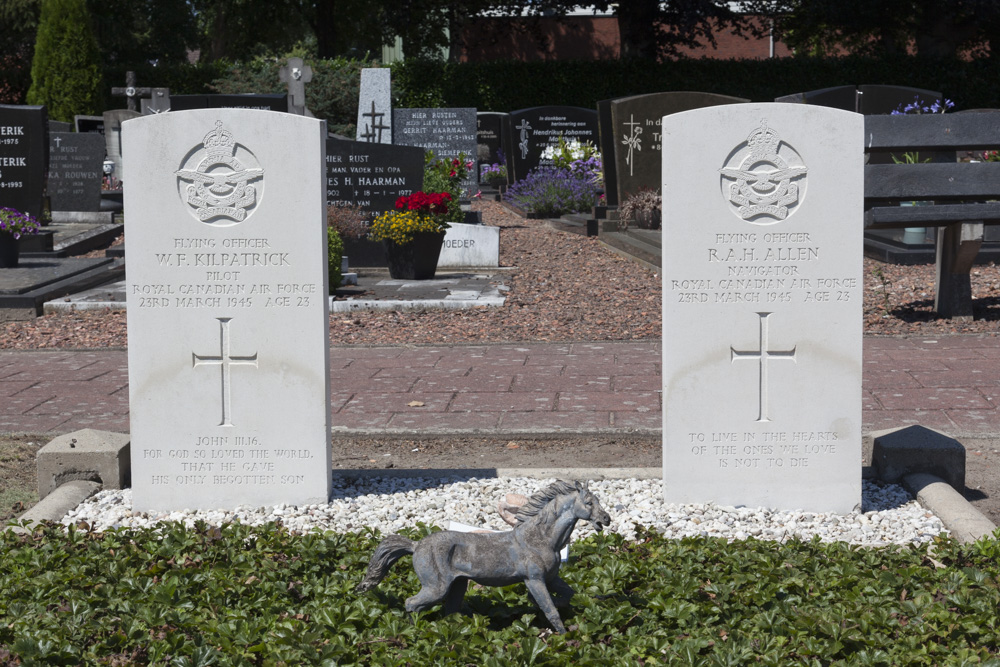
(375, 106)
(762, 317)
(473, 246)
(227, 310)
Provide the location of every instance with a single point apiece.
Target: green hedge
(509, 85)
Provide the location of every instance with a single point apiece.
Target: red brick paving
(947, 383)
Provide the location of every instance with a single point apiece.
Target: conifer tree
(65, 72)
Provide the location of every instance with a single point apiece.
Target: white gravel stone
(889, 515)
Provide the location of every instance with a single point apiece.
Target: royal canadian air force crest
(220, 180)
(764, 178)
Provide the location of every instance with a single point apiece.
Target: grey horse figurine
(446, 561)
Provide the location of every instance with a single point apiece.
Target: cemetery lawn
(563, 287)
(247, 596)
(18, 474)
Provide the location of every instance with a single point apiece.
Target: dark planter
(416, 260)
(9, 251)
(647, 219)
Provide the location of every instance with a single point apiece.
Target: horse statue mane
(445, 561)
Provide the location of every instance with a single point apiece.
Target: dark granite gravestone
(24, 143)
(370, 175)
(157, 102)
(867, 99)
(636, 131)
(262, 102)
(447, 132)
(113, 137)
(490, 130)
(89, 124)
(59, 126)
(75, 171)
(606, 141)
(538, 127)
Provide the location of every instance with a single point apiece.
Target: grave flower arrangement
(419, 212)
(16, 223)
(643, 208)
(446, 175)
(582, 159)
(494, 174)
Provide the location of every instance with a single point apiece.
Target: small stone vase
(9, 250)
(416, 260)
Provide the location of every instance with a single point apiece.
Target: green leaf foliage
(249, 596)
(335, 253)
(65, 70)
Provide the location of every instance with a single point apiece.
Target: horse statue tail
(386, 554)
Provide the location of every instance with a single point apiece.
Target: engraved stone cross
(762, 355)
(130, 91)
(296, 74)
(225, 360)
(376, 125)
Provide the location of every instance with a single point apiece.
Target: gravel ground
(564, 287)
(887, 516)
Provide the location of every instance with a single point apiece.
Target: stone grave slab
(75, 171)
(89, 124)
(23, 290)
(474, 246)
(276, 102)
(227, 309)
(636, 132)
(24, 143)
(372, 176)
(447, 132)
(375, 106)
(762, 317)
(491, 129)
(113, 137)
(538, 127)
(60, 126)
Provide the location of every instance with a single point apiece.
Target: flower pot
(416, 260)
(647, 219)
(9, 250)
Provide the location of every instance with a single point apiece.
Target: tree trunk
(325, 28)
(637, 26)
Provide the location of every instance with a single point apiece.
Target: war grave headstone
(490, 135)
(157, 102)
(447, 132)
(536, 128)
(762, 288)
(375, 106)
(636, 132)
(24, 142)
(277, 102)
(112, 136)
(227, 310)
(76, 167)
(89, 124)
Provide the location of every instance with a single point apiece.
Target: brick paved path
(947, 383)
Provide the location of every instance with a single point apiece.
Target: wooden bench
(965, 196)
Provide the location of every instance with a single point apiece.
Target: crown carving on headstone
(219, 142)
(763, 142)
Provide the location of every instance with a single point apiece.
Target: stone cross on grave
(375, 127)
(762, 354)
(130, 91)
(224, 360)
(296, 75)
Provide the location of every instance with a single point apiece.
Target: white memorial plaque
(470, 246)
(227, 309)
(762, 313)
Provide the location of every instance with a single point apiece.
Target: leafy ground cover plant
(550, 191)
(643, 208)
(238, 595)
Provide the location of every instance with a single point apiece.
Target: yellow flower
(400, 226)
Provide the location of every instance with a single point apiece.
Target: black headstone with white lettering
(490, 137)
(636, 131)
(371, 175)
(447, 132)
(261, 102)
(606, 140)
(75, 171)
(89, 124)
(24, 142)
(536, 128)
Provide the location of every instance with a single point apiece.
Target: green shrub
(446, 175)
(335, 252)
(65, 71)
